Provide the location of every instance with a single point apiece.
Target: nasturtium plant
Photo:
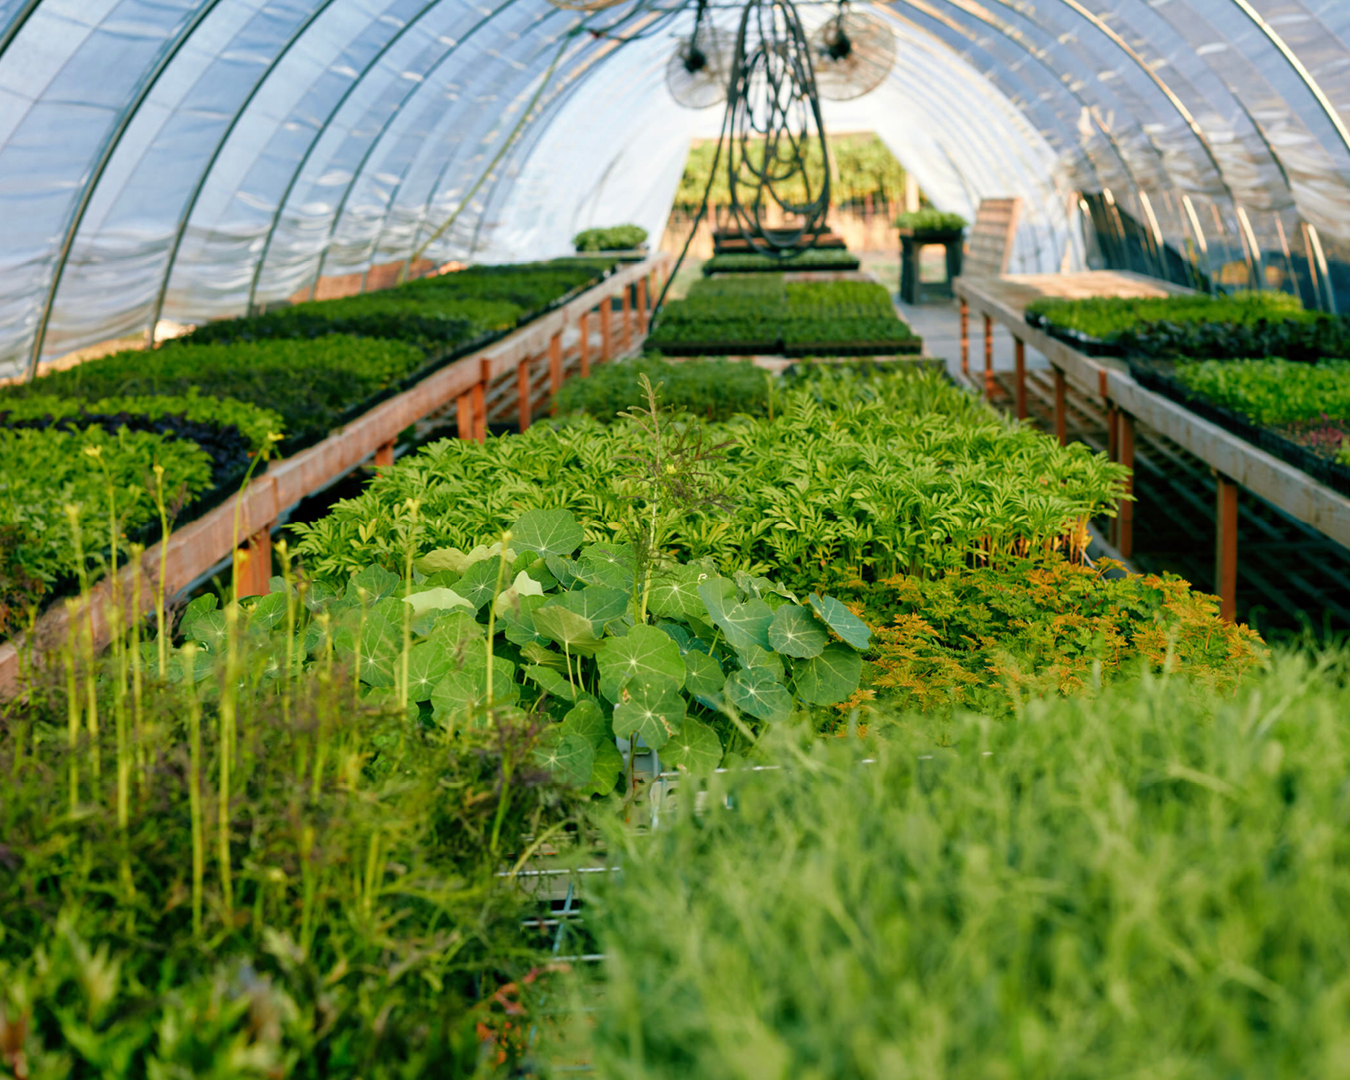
(541, 621)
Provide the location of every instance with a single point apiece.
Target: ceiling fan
(853, 53)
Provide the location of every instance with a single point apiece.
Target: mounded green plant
(255, 422)
(310, 383)
(929, 220)
(59, 490)
(613, 238)
(854, 477)
(1145, 884)
(711, 389)
(808, 259)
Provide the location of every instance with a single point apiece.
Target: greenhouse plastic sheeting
(183, 160)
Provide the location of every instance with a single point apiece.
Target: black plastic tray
(1158, 377)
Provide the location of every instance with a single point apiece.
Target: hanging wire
(772, 116)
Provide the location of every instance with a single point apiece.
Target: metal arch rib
(342, 100)
(16, 24)
(105, 155)
(1299, 69)
(191, 204)
(384, 129)
(1180, 106)
(440, 176)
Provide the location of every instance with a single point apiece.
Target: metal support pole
(523, 393)
(1125, 455)
(253, 564)
(1225, 547)
(584, 325)
(606, 329)
(384, 455)
(965, 338)
(1020, 362)
(988, 358)
(1061, 409)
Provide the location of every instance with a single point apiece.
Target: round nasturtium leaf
(566, 627)
(695, 747)
(652, 706)
(586, 719)
(842, 621)
(428, 664)
(756, 691)
(645, 652)
(796, 632)
(548, 532)
(606, 771)
(569, 757)
(828, 678)
(704, 676)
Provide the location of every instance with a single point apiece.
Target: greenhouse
(674, 538)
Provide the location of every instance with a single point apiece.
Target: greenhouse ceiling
(188, 159)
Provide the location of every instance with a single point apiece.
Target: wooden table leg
(965, 338)
(642, 306)
(464, 416)
(1020, 362)
(253, 564)
(478, 398)
(627, 317)
(988, 357)
(523, 393)
(1225, 547)
(384, 456)
(1061, 409)
(606, 329)
(555, 368)
(584, 325)
(1125, 512)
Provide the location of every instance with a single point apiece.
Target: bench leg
(1225, 547)
(642, 306)
(253, 564)
(606, 329)
(479, 398)
(1125, 512)
(464, 416)
(988, 358)
(584, 325)
(555, 368)
(384, 456)
(965, 338)
(523, 393)
(1061, 409)
(1020, 362)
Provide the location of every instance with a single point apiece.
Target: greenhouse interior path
(1289, 575)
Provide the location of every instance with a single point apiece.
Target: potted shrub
(614, 238)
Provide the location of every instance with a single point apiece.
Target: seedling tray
(1084, 343)
(908, 347)
(1157, 376)
(720, 348)
(788, 266)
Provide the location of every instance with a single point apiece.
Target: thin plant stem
(228, 701)
(492, 611)
(137, 678)
(195, 784)
(160, 609)
(72, 702)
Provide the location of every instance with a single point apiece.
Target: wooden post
(1225, 547)
(384, 456)
(464, 416)
(642, 306)
(1061, 409)
(584, 325)
(1125, 455)
(1020, 363)
(479, 394)
(523, 393)
(988, 357)
(965, 338)
(555, 369)
(253, 564)
(606, 329)
(628, 317)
